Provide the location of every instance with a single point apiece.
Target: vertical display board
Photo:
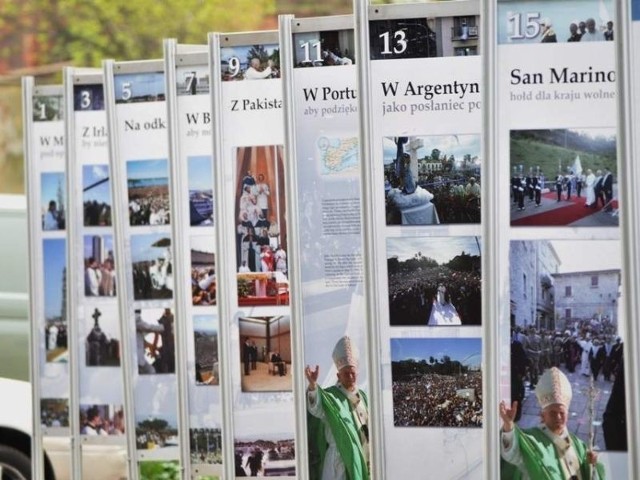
(95, 336)
(557, 148)
(137, 113)
(423, 120)
(190, 129)
(322, 102)
(253, 224)
(43, 109)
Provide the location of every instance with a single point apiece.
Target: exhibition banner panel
(322, 101)
(252, 185)
(43, 108)
(144, 253)
(97, 385)
(190, 128)
(425, 176)
(564, 301)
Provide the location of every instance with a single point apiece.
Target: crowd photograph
(152, 266)
(53, 197)
(203, 270)
(54, 412)
(99, 266)
(96, 196)
(102, 342)
(148, 192)
(55, 309)
(432, 179)
(200, 178)
(205, 342)
(436, 382)
(255, 62)
(564, 177)
(155, 341)
(261, 233)
(101, 420)
(434, 281)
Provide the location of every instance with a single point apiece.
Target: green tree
(86, 32)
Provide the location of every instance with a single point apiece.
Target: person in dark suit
(597, 189)
(559, 183)
(246, 356)
(537, 189)
(607, 188)
(614, 418)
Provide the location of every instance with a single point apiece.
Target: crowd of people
(151, 208)
(96, 423)
(579, 31)
(54, 414)
(97, 214)
(412, 295)
(588, 346)
(433, 400)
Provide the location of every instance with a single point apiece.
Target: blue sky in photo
(456, 145)
(49, 186)
(142, 250)
(92, 174)
(141, 84)
(142, 169)
(54, 261)
(441, 249)
(205, 323)
(467, 351)
(200, 173)
(88, 244)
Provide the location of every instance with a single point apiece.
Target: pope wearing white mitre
(338, 419)
(548, 451)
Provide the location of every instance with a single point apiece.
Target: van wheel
(14, 465)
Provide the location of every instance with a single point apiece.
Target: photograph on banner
(48, 108)
(564, 177)
(437, 382)
(137, 88)
(434, 281)
(261, 233)
(54, 413)
(54, 200)
(250, 62)
(96, 195)
(432, 179)
(567, 315)
(338, 414)
(635, 10)
(205, 341)
(99, 266)
(101, 420)
(55, 304)
(205, 446)
(152, 266)
(148, 192)
(324, 49)
(203, 270)
(157, 432)
(155, 341)
(265, 455)
(424, 37)
(337, 156)
(155, 469)
(101, 332)
(265, 347)
(548, 21)
(88, 97)
(200, 172)
(193, 81)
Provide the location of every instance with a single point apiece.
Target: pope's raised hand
(508, 415)
(312, 376)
